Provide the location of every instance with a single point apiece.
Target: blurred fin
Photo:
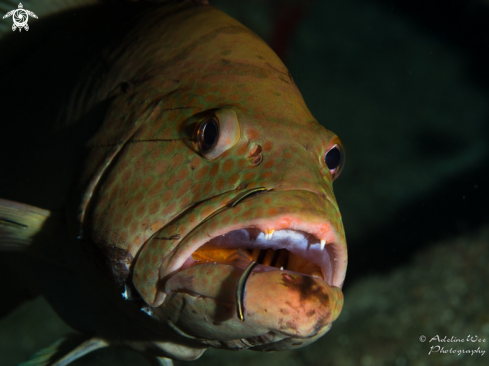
(62, 352)
(50, 356)
(19, 223)
(28, 231)
(157, 361)
(42, 357)
(33, 231)
(163, 361)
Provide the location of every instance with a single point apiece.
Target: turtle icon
(20, 17)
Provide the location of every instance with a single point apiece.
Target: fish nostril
(255, 156)
(257, 160)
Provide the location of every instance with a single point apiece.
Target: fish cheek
(194, 315)
(201, 301)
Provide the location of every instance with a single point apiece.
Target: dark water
(405, 85)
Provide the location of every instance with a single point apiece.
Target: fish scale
(148, 194)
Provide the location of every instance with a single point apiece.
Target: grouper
(200, 210)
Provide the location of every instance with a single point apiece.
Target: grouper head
(208, 161)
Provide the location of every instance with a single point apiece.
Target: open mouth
(287, 249)
(293, 231)
(271, 264)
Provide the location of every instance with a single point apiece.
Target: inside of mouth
(232, 249)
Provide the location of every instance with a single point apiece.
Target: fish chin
(281, 306)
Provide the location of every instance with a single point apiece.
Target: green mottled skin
(175, 65)
(197, 60)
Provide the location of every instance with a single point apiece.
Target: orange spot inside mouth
(213, 254)
(280, 259)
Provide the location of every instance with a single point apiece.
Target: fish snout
(298, 242)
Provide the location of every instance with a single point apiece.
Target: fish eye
(217, 133)
(208, 134)
(335, 160)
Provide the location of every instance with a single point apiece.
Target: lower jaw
(201, 303)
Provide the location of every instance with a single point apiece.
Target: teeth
(269, 234)
(323, 244)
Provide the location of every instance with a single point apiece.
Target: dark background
(405, 85)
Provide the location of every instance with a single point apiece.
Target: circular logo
(20, 18)
(422, 338)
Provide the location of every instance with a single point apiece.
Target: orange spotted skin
(160, 198)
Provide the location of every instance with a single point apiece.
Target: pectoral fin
(159, 361)
(165, 361)
(27, 232)
(57, 355)
(19, 224)
(31, 230)
(62, 353)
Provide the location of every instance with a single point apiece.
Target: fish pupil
(333, 158)
(209, 133)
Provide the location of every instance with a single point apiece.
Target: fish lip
(335, 249)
